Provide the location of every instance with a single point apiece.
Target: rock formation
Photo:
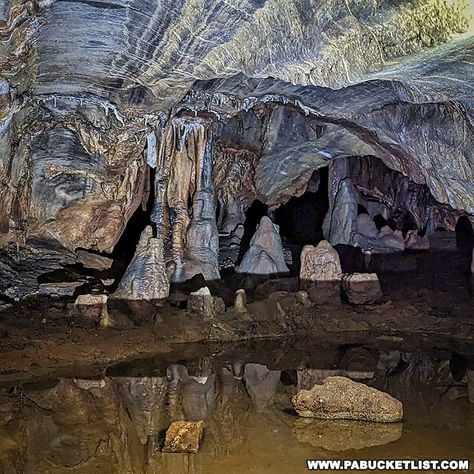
(321, 274)
(90, 115)
(341, 398)
(362, 288)
(265, 254)
(145, 277)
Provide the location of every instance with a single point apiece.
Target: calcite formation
(265, 254)
(145, 277)
(188, 112)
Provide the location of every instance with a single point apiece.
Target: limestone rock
(341, 398)
(240, 303)
(203, 303)
(366, 226)
(145, 277)
(265, 255)
(320, 274)
(362, 288)
(93, 261)
(184, 437)
(62, 290)
(94, 308)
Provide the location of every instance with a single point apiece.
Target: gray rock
(62, 290)
(145, 277)
(93, 261)
(341, 398)
(261, 384)
(265, 255)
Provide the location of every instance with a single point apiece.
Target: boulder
(94, 308)
(362, 288)
(341, 398)
(146, 276)
(203, 303)
(184, 437)
(265, 255)
(320, 274)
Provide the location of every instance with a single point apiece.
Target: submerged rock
(344, 435)
(362, 288)
(265, 255)
(145, 277)
(184, 437)
(320, 274)
(341, 398)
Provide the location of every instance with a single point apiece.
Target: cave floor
(44, 339)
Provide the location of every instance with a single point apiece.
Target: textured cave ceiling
(82, 82)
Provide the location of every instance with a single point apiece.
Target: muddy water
(115, 423)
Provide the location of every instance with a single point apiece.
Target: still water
(115, 423)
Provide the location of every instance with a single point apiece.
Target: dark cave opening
(253, 215)
(464, 234)
(301, 218)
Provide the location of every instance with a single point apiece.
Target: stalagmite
(240, 303)
(320, 274)
(145, 277)
(265, 255)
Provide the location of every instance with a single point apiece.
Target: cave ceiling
(82, 83)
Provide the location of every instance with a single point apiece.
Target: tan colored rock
(344, 435)
(362, 288)
(93, 261)
(240, 303)
(320, 274)
(320, 263)
(94, 308)
(203, 303)
(184, 437)
(341, 398)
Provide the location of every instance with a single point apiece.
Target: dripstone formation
(116, 116)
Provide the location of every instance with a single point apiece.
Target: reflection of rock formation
(145, 277)
(145, 399)
(261, 384)
(265, 255)
(344, 435)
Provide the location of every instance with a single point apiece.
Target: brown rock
(362, 288)
(320, 274)
(93, 261)
(94, 308)
(203, 303)
(277, 284)
(184, 437)
(341, 398)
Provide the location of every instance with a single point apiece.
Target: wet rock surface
(341, 398)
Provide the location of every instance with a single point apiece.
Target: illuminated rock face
(97, 120)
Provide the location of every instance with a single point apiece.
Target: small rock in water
(184, 437)
(341, 398)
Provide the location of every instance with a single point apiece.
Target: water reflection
(116, 423)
